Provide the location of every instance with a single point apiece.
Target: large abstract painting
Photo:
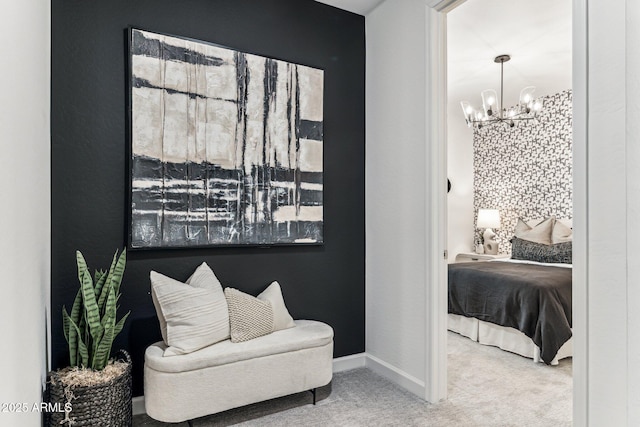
(226, 146)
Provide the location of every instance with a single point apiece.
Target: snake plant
(91, 326)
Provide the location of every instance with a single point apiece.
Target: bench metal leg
(313, 391)
(190, 422)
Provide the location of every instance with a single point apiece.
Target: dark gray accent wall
(90, 152)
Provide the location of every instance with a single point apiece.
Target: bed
(522, 306)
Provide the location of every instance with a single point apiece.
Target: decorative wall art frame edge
(293, 181)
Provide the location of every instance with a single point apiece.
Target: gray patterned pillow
(526, 250)
(249, 317)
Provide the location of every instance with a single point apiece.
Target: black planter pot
(107, 404)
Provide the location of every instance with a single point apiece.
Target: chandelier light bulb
(526, 95)
(467, 109)
(489, 102)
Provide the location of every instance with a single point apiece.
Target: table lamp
(488, 219)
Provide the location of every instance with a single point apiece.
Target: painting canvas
(226, 146)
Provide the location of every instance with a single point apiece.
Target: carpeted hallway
(487, 387)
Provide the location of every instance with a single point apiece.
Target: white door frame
(436, 300)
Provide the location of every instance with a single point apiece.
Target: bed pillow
(540, 233)
(192, 315)
(281, 317)
(531, 251)
(521, 227)
(249, 317)
(561, 233)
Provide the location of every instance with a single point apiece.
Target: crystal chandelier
(493, 112)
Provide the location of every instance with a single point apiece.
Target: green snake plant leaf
(70, 333)
(83, 327)
(76, 308)
(71, 336)
(103, 347)
(110, 308)
(83, 352)
(92, 312)
(77, 317)
(82, 266)
(104, 292)
(100, 278)
(115, 276)
(120, 324)
(101, 355)
(65, 323)
(118, 272)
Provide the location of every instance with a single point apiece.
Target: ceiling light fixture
(492, 112)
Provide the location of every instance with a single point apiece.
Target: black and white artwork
(226, 146)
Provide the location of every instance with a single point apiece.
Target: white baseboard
(346, 363)
(137, 405)
(397, 376)
(382, 368)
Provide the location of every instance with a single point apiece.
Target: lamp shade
(488, 218)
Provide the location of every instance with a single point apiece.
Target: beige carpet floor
(487, 387)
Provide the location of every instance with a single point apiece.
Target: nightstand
(471, 257)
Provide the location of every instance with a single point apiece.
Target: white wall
(632, 137)
(610, 194)
(460, 227)
(25, 213)
(613, 207)
(460, 213)
(396, 185)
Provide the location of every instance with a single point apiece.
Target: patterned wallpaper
(526, 171)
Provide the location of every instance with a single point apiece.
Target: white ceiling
(536, 33)
(361, 7)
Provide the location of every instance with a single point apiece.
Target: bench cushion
(306, 334)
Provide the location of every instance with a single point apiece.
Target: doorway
(436, 297)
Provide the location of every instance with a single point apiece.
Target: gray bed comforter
(535, 299)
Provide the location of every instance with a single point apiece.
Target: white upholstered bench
(227, 375)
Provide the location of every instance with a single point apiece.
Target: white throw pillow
(249, 317)
(281, 317)
(521, 227)
(561, 233)
(541, 233)
(192, 315)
